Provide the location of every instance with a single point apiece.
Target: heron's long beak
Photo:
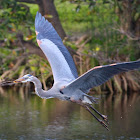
(19, 80)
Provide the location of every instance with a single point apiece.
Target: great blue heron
(67, 85)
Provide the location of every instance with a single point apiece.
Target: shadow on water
(26, 116)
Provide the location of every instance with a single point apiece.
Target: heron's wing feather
(99, 75)
(45, 30)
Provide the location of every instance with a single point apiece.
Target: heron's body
(67, 85)
(56, 92)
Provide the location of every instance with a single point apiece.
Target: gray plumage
(47, 31)
(99, 75)
(67, 85)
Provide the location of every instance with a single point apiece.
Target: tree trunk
(47, 8)
(129, 17)
(130, 22)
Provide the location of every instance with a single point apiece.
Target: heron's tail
(89, 99)
(93, 99)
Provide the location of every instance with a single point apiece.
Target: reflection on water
(25, 116)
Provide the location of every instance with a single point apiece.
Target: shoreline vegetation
(98, 33)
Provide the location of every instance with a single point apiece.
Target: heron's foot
(104, 124)
(105, 118)
(100, 121)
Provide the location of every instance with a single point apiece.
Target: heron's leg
(101, 122)
(87, 108)
(103, 116)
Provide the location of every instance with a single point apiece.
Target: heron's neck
(38, 89)
(38, 86)
(37, 83)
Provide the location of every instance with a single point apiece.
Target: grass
(71, 20)
(85, 19)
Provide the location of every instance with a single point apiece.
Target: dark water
(24, 116)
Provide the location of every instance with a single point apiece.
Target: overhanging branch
(129, 35)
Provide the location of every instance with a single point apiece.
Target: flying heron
(67, 85)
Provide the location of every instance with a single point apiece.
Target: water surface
(25, 116)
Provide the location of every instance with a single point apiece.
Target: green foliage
(71, 20)
(98, 18)
(13, 17)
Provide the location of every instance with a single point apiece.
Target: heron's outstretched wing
(99, 75)
(60, 59)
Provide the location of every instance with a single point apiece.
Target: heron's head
(24, 79)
